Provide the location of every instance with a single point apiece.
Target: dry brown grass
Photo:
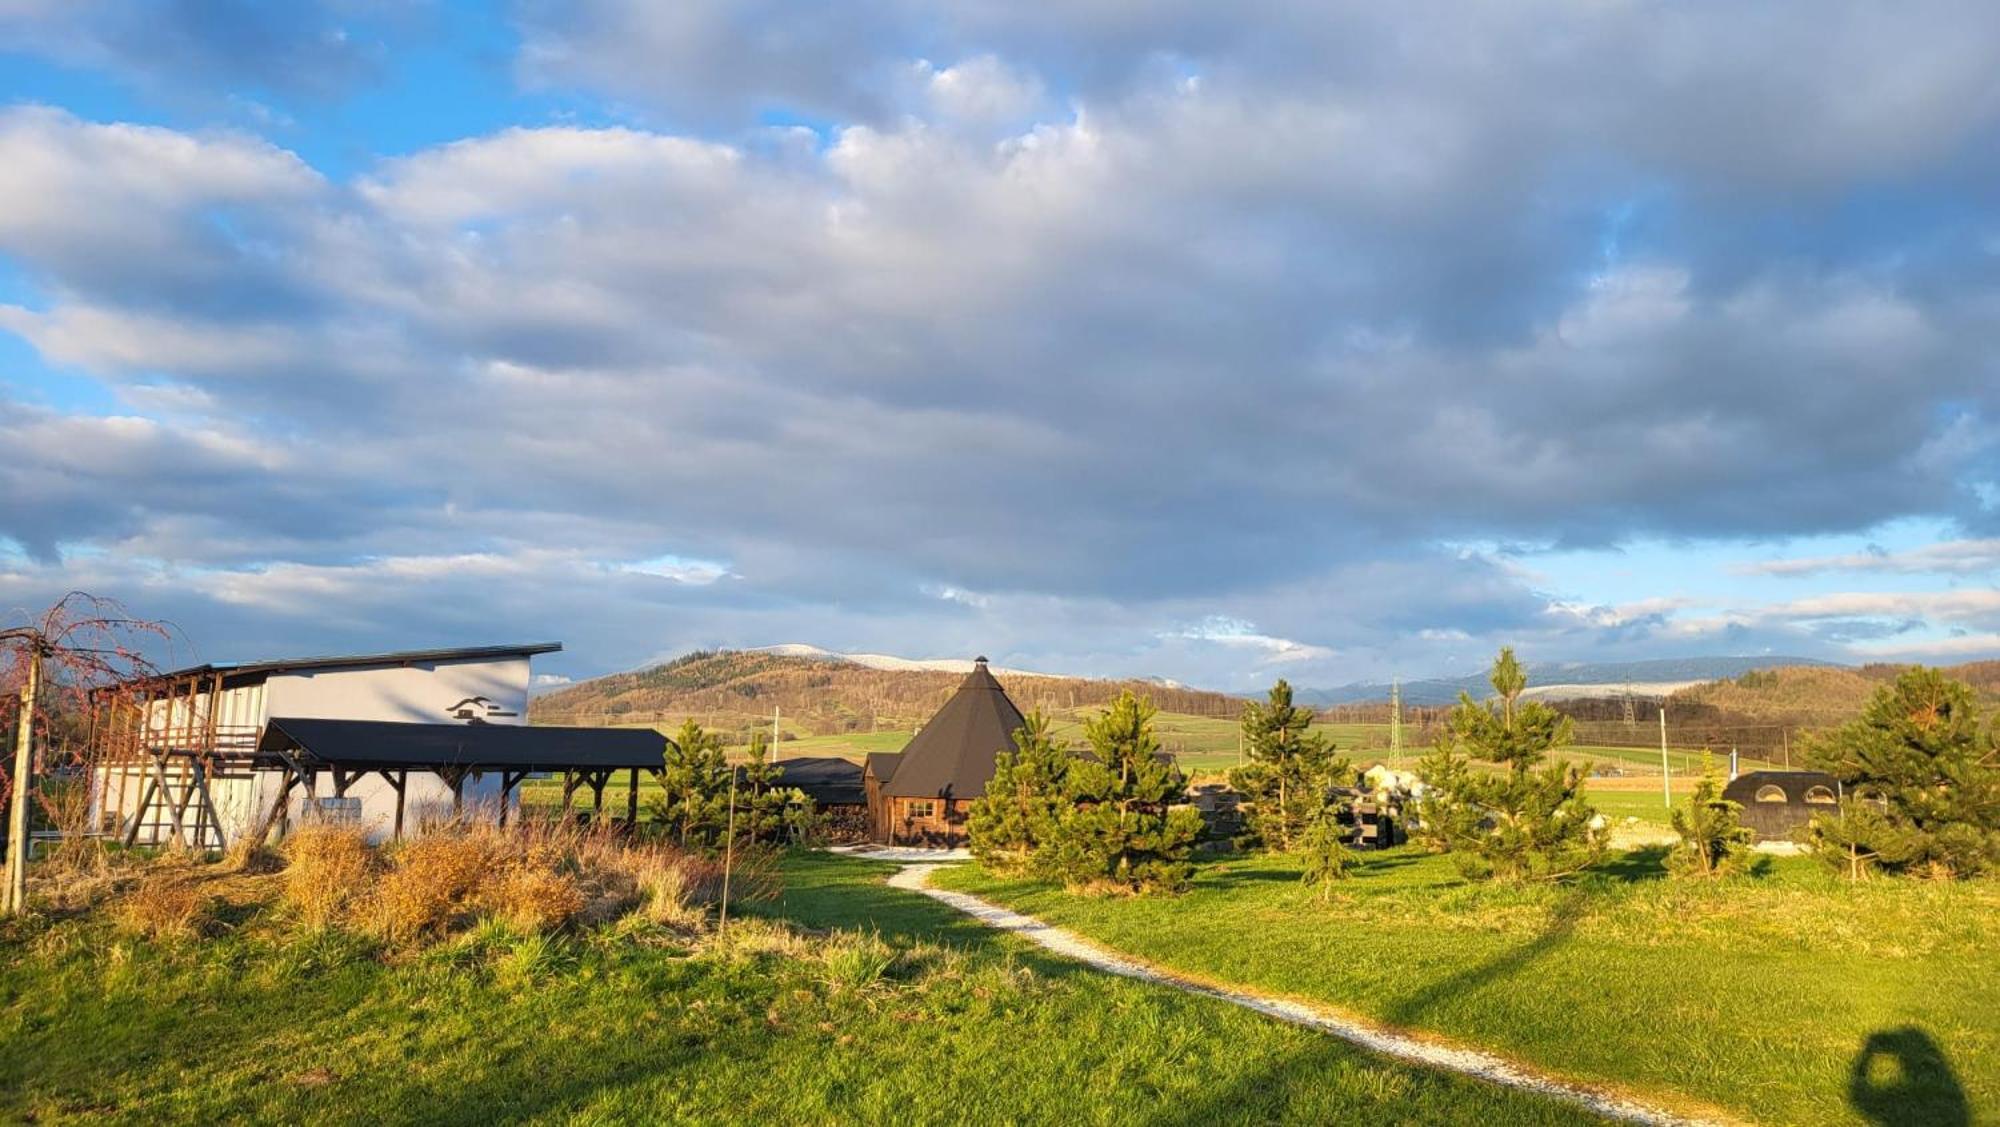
(329, 872)
(531, 898)
(171, 905)
(431, 884)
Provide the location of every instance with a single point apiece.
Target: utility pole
(1666, 771)
(15, 900)
(774, 733)
(1396, 718)
(728, 856)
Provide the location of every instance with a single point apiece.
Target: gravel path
(1467, 1062)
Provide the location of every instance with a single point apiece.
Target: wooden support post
(396, 780)
(508, 781)
(632, 801)
(457, 781)
(139, 815)
(286, 780)
(570, 782)
(207, 807)
(166, 799)
(597, 781)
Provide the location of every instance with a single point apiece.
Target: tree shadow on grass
(1646, 863)
(1561, 924)
(1901, 1077)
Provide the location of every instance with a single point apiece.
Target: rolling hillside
(819, 695)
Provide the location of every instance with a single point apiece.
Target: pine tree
(1713, 842)
(694, 779)
(1922, 783)
(1288, 784)
(1526, 821)
(1323, 846)
(1120, 826)
(766, 810)
(1009, 824)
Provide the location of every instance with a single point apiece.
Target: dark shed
(1777, 803)
(827, 780)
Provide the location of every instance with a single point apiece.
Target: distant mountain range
(1566, 680)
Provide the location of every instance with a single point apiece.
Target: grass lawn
(1756, 994)
(928, 1019)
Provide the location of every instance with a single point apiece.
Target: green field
(1754, 994)
(908, 1014)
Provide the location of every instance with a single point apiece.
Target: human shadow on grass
(1901, 1078)
(1561, 925)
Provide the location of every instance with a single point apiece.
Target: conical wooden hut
(919, 796)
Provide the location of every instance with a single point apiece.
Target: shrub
(532, 898)
(431, 882)
(168, 906)
(328, 872)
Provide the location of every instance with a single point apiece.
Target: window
(1820, 796)
(1769, 793)
(920, 808)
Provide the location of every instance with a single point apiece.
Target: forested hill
(733, 690)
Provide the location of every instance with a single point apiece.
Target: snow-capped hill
(892, 662)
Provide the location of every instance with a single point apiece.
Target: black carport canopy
(374, 745)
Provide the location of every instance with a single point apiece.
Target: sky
(1212, 342)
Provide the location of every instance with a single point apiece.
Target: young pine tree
(1288, 784)
(694, 780)
(766, 810)
(1713, 842)
(1922, 783)
(1527, 820)
(1009, 824)
(1323, 846)
(1120, 826)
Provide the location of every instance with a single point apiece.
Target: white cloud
(1237, 633)
(1949, 557)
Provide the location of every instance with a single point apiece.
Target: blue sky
(1331, 341)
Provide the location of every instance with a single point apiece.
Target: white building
(215, 714)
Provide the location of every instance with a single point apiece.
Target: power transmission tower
(1631, 709)
(1395, 718)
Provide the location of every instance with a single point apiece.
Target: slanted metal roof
(952, 757)
(828, 780)
(397, 657)
(374, 744)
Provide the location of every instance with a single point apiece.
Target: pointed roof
(953, 755)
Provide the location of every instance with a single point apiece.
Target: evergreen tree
(1323, 845)
(1713, 842)
(1921, 779)
(1024, 801)
(694, 781)
(1120, 826)
(1528, 819)
(765, 809)
(1288, 784)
